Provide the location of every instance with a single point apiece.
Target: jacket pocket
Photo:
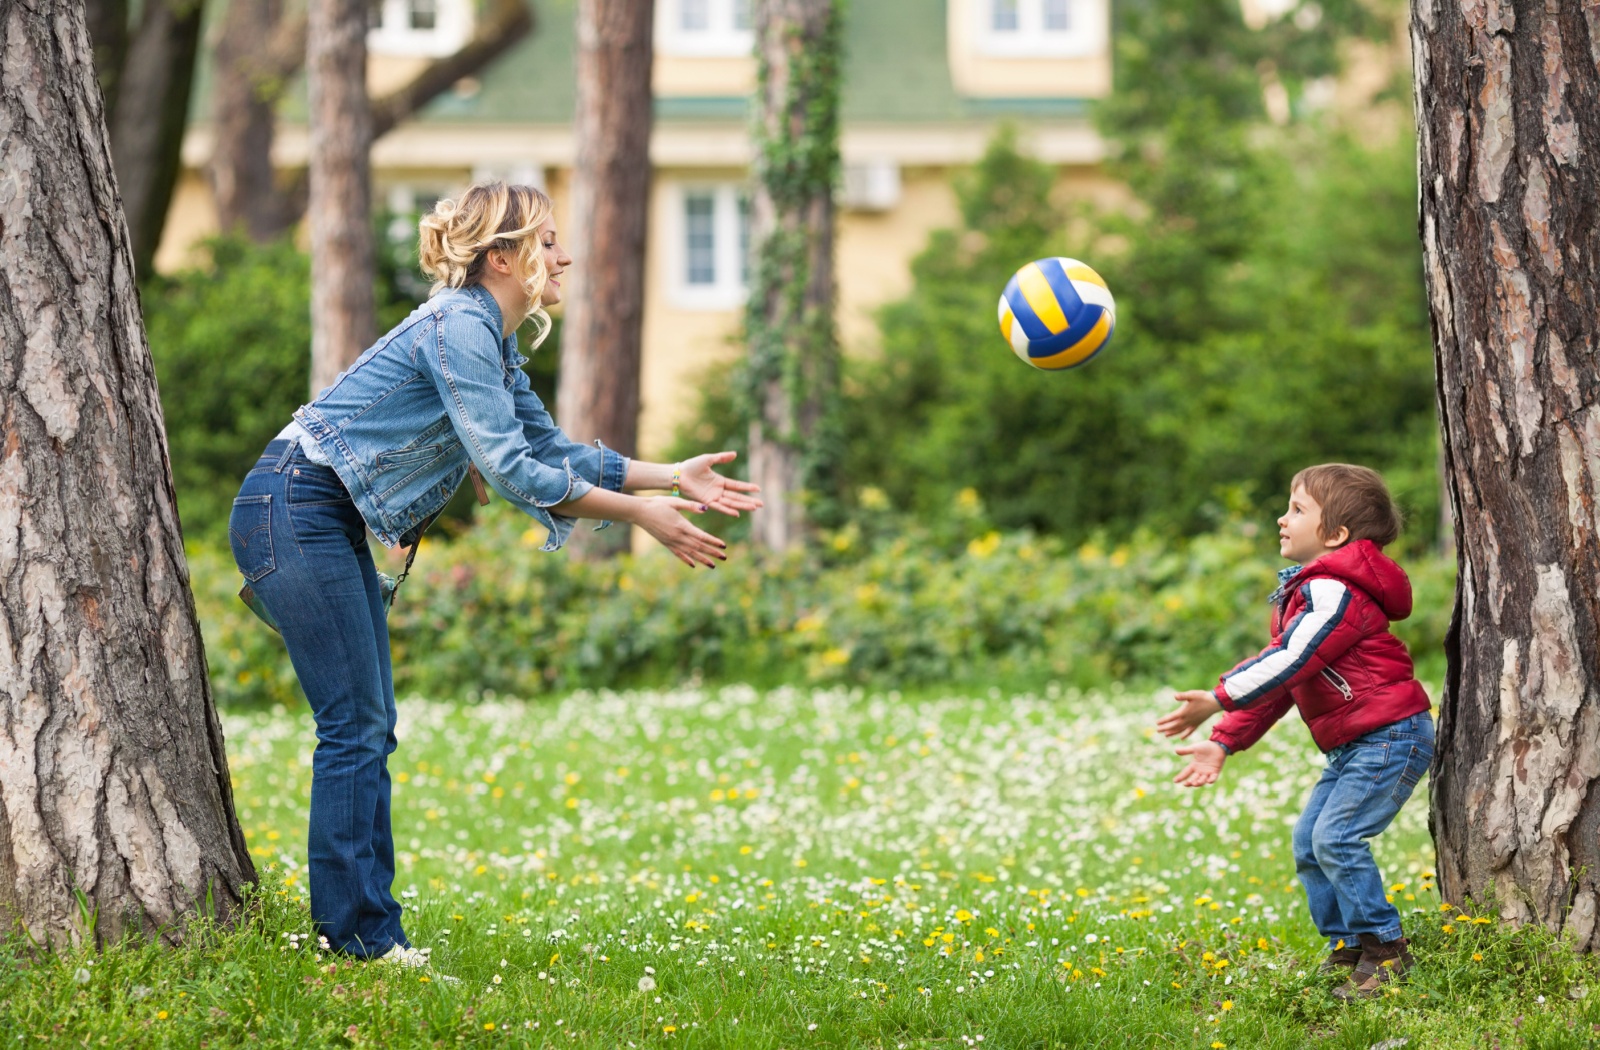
(250, 535)
(407, 457)
(1337, 681)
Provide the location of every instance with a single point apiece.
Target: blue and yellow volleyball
(1057, 313)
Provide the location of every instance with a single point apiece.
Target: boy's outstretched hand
(1197, 705)
(1205, 764)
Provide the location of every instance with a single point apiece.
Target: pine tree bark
(792, 369)
(603, 326)
(343, 313)
(113, 776)
(1508, 99)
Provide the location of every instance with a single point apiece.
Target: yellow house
(927, 83)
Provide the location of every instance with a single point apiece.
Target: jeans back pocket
(250, 535)
(1418, 759)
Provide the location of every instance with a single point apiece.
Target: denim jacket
(441, 390)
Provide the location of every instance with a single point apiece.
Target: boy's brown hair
(1354, 498)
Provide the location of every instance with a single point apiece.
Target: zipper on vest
(1344, 687)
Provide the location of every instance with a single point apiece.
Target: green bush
(881, 603)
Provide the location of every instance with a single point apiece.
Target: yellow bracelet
(677, 472)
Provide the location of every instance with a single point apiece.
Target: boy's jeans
(300, 542)
(1364, 785)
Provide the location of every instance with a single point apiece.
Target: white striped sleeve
(1326, 603)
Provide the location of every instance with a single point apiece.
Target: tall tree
(1508, 104)
(603, 325)
(114, 782)
(792, 368)
(260, 48)
(343, 312)
(145, 70)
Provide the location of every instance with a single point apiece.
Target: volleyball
(1057, 313)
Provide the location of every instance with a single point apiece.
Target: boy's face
(1300, 530)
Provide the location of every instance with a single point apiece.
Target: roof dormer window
(705, 28)
(1038, 28)
(420, 28)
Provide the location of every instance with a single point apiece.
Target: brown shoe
(1345, 957)
(1381, 963)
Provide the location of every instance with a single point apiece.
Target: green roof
(896, 71)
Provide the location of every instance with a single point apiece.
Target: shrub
(886, 604)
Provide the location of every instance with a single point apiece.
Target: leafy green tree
(1238, 359)
(1270, 305)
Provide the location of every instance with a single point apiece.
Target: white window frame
(728, 289)
(393, 34)
(1085, 35)
(720, 39)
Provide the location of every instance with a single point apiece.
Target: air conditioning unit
(870, 186)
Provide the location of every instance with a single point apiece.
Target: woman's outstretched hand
(698, 480)
(662, 517)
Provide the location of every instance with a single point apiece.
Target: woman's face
(556, 261)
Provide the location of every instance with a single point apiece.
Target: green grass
(809, 869)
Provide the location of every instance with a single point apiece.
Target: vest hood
(1361, 564)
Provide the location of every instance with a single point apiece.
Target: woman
(384, 448)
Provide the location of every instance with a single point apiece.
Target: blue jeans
(1364, 785)
(299, 540)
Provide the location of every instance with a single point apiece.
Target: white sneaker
(400, 955)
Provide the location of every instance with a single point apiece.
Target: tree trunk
(343, 314)
(603, 326)
(248, 80)
(108, 31)
(152, 111)
(1508, 98)
(113, 777)
(145, 77)
(792, 372)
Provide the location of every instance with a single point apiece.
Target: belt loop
(283, 460)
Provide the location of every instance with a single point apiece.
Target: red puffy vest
(1332, 655)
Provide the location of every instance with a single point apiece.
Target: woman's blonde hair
(457, 236)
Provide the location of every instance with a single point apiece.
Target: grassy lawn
(810, 869)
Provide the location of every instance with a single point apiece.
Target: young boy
(1333, 657)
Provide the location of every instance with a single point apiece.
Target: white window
(709, 246)
(704, 28)
(1040, 28)
(421, 28)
